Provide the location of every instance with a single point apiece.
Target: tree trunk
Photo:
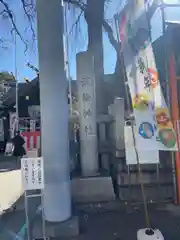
(94, 16)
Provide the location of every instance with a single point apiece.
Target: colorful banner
(154, 129)
(145, 157)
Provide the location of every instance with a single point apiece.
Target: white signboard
(13, 124)
(32, 125)
(32, 170)
(9, 149)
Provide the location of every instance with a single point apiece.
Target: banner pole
(27, 215)
(127, 96)
(145, 203)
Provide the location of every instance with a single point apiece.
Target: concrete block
(66, 229)
(93, 189)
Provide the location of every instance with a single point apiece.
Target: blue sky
(7, 56)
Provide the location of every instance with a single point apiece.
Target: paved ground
(120, 225)
(110, 224)
(97, 222)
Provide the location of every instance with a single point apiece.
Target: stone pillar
(54, 111)
(87, 108)
(119, 115)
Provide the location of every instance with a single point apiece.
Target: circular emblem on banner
(140, 102)
(167, 137)
(146, 130)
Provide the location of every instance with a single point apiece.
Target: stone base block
(92, 189)
(66, 229)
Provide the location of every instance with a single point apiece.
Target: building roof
(25, 89)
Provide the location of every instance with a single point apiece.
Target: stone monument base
(66, 229)
(92, 189)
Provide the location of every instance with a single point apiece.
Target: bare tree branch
(77, 3)
(75, 23)
(28, 10)
(10, 15)
(2, 43)
(105, 25)
(111, 37)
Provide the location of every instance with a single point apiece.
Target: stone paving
(120, 224)
(97, 222)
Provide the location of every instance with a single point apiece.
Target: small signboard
(32, 173)
(9, 149)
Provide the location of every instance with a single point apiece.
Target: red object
(154, 77)
(175, 115)
(122, 28)
(27, 137)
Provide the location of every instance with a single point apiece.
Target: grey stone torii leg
(54, 111)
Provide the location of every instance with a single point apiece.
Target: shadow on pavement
(13, 219)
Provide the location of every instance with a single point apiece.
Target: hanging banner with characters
(153, 129)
